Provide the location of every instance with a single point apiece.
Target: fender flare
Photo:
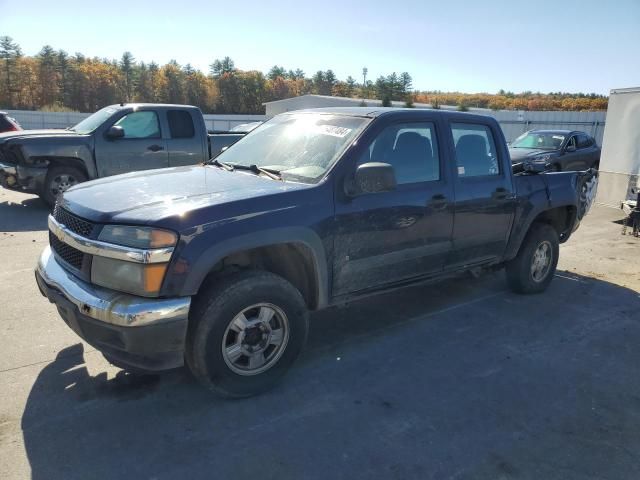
(74, 152)
(203, 265)
(513, 246)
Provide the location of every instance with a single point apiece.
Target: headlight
(144, 279)
(137, 237)
(136, 278)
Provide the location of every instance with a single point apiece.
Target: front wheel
(533, 268)
(59, 179)
(245, 332)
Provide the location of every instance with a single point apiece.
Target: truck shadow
(457, 379)
(28, 215)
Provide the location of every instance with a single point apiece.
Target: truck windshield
(300, 146)
(92, 122)
(539, 141)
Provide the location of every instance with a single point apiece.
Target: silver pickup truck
(116, 139)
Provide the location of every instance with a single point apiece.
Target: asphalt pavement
(460, 380)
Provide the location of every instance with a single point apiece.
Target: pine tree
(9, 52)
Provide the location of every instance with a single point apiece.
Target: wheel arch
(296, 254)
(562, 218)
(74, 162)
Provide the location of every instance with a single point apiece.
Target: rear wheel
(59, 179)
(245, 332)
(533, 268)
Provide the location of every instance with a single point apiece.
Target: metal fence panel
(513, 123)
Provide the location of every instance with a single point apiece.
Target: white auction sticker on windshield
(334, 131)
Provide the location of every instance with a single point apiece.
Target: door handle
(438, 202)
(500, 193)
(155, 148)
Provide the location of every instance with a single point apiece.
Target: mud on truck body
(217, 266)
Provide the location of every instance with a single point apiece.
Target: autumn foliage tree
(55, 80)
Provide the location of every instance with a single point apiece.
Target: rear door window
(584, 141)
(180, 124)
(475, 150)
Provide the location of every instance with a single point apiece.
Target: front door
(141, 148)
(387, 237)
(484, 197)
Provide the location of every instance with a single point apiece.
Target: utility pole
(365, 70)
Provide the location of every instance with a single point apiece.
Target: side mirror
(115, 132)
(375, 177)
(570, 148)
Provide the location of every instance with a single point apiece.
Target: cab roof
(373, 112)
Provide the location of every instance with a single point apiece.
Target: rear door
(141, 148)
(572, 158)
(392, 236)
(589, 153)
(484, 195)
(183, 143)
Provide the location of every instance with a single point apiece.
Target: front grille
(66, 252)
(73, 223)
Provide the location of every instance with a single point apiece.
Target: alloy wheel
(255, 339)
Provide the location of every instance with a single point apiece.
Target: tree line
(55, 80)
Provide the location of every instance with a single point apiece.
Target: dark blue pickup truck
(217, 265)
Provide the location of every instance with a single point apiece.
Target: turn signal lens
(153, 276)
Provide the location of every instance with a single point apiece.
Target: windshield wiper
(220, 164)
(269, 172)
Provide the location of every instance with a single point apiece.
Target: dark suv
(559, 150)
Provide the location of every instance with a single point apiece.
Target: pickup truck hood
(518, 155)
(151, 195)
(34, 133)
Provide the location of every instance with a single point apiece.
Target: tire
(525, 277)
(216, 335)
(58, 180)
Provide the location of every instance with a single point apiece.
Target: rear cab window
(180, 124)
(475, 150)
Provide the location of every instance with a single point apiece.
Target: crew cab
(117, 139)
(218, 265)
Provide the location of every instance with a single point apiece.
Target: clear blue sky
(465, 45)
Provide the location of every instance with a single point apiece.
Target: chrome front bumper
(144, 333)
(107, 305)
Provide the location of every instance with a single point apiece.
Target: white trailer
(620, 158)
